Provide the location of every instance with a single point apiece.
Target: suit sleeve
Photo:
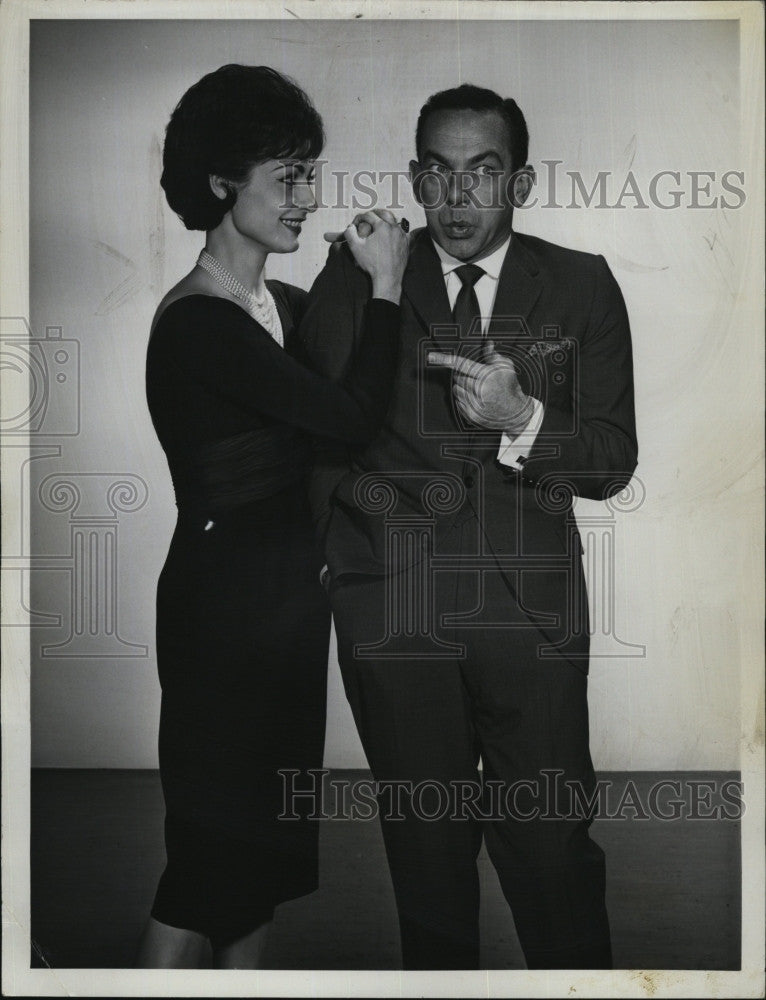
(593, 451)
(220, 349)
(336, 312)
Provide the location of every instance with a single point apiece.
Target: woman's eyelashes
(299, 175)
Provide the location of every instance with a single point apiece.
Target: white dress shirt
(511, 449)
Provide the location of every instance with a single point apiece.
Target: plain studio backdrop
(614, 96)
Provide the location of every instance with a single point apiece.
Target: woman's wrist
(387, 288)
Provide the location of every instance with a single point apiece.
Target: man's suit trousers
(441, 669)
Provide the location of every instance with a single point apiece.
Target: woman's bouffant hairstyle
(225, 124)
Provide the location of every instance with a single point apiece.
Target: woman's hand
(380, 246)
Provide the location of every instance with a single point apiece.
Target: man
(455, 572)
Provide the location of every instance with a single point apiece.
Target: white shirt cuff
(513, 449)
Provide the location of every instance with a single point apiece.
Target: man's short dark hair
(467, 97)
(227, 123)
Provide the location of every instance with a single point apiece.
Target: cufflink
(508, 471)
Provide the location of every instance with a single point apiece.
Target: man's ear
(415, 172)
(523, 182)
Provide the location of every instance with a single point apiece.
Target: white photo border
(18, 978)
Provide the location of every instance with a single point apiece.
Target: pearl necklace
(263, 310)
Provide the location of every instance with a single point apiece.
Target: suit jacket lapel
(518, 289)
(424, 287)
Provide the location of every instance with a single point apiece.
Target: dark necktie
(466, 311)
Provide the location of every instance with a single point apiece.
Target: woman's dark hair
(225, 124)
(468, 97)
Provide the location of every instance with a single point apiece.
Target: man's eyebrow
(429, 154)
(488, 154)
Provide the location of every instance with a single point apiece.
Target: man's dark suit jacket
(560, 316)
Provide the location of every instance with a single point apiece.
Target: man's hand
(488, 393)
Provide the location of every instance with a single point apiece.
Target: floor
(96, 853)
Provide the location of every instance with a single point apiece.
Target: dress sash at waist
(235, 471)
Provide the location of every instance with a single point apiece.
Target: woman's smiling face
(272, 203)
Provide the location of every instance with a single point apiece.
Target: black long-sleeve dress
(242, 621)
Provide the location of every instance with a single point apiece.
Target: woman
(242, 621)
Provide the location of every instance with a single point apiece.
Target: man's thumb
(489, 353)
